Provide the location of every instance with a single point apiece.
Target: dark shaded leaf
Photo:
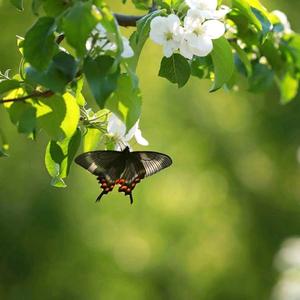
(176, 69)
(78, 24)
(100, 79)
(8, 85)
(39, 45)
(262, 78)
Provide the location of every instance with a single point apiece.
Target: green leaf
(223, 62)
(100, 77)
(261, 79)
(78, 24)
(91, 139)
(55, 7)
(288, 86)
(294, 47)
(39, 44)
(18, 4)
(201, 66)
(66, 64)
(61, 71)
(140, 36)
(176, 69)
(126, 102)
(27, 121)
(142, 4)
(243, 57)
(35, 6)
(8, 85)
(266, 25)
(23, 115)
(273, 55)
(58, 116)
(245, 10)
(59, 157)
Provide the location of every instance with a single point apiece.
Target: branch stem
(35, 94)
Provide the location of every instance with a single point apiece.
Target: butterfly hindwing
(133, 173)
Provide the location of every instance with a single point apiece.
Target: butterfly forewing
(153, 162)
(102, 162)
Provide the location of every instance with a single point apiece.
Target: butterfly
(124, 168)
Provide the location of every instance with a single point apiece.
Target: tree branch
(127, 20)
(35, 94)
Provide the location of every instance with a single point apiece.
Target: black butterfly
(122, 167)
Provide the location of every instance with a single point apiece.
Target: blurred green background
(207, 228)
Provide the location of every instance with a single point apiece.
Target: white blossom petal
(202, 46)
(140, 139)
(213, 29)
(115, 126)
(202, 4)
(127, 50)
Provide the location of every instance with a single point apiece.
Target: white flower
(106, 42)
(117, 129)
(166, 31)
(198, 34)
(208, 8)
(281, 16)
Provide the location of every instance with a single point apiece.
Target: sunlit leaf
(245, 10)
(58, 116)
(288, 86)
(59, 157)
(91, 139)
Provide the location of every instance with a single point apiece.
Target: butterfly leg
(100, 196)
(131, 198)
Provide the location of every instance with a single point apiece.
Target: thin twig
(35, 94)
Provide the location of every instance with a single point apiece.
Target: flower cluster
(202, 24)
(102, 40)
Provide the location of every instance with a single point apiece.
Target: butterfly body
(123, 168)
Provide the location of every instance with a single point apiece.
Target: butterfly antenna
(100, 196)
(131, 198)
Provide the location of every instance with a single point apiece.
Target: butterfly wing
(107, 165)
(152, 162)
